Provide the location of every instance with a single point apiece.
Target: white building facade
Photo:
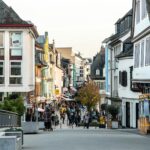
(119, 68)
(17, 54)
(79, 70)
(141, 58)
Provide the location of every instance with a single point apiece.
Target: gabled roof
(129, 13)
(98, 63)
(9, 18)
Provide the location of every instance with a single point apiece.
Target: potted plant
(113, 111)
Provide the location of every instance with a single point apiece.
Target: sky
(80, 24)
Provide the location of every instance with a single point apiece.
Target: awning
(114, 99)
(140, 81)
(67, 99)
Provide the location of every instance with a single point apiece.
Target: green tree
(89, 95)
(14, 105)
(113, 110)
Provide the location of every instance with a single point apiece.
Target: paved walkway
(86, 139)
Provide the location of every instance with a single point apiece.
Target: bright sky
(80, 24)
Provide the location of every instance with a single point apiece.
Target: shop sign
(57, 91)
(144, 96)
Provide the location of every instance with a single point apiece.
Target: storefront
(144, 114)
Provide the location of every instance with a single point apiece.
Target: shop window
(15, 73)
(15, 45)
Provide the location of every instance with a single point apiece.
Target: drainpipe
(111, 71)
(110, 48)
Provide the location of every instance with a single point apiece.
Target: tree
(14, 105)
(89, 95)
(113, 110)
(104, 107)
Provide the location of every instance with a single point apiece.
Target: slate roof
(129, 13)
(127, 49)
(9, 16)
(115, 38)
(125, 54)
(98, 63)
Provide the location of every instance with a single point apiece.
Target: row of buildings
(127, 57)
(34, 68)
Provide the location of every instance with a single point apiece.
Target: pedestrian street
(78, 138)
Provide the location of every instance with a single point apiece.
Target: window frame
(142, 54)
(15, 76)
(147, 52)
(137, 52)
(1, 96)
(2, 47)
(3, 75)
(15, 47)
(97, 72)
(138, 11)
(143, 9)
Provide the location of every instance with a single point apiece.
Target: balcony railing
(9, 119)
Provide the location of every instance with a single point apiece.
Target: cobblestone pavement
(86, 139)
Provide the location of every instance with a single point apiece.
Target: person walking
(47, 119)
(86, 121)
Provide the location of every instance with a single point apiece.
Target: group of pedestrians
(77, 115)
(71, 114)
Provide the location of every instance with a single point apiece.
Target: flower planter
(114, 124)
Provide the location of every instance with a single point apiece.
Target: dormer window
(97, 72)
(121, 26)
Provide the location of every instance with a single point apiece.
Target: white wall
(132, 112)
(124, 65)
(143, 22)
(142, 72)
(28, 63)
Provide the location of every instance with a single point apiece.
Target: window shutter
(124, 78)
(120, 77)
